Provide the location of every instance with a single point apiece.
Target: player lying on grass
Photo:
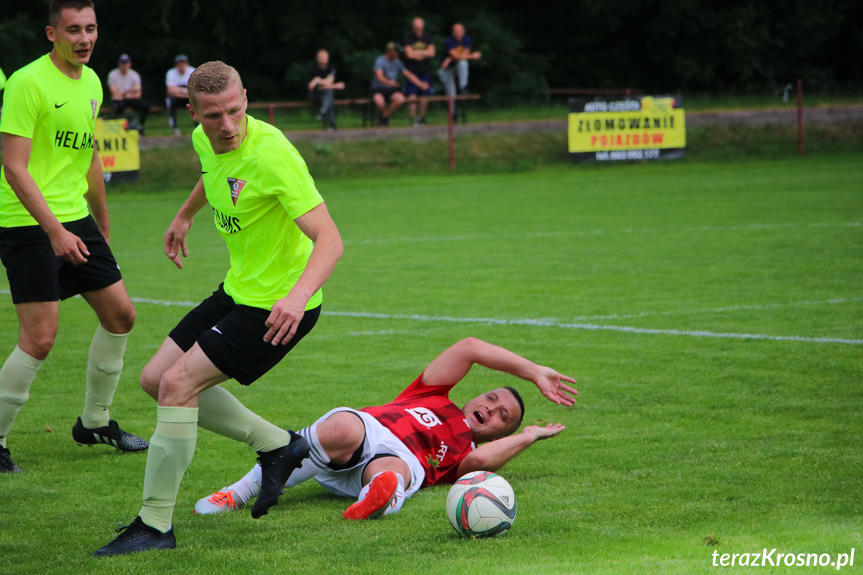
(381, 455)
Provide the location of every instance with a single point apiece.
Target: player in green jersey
(283, 247)
(50, 244)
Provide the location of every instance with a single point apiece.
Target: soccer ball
(481, 504)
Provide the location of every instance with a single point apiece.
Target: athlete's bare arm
(16, 157)
(495, 454)
(452, 366)
(95, 195)
(175, 237)
(287, 312)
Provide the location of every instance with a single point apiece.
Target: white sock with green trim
(104, 365)
(16, 377)
(171, 450)
(223, 413)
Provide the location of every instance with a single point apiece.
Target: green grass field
(712, 313)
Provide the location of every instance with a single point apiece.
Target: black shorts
(411, 88)
(35, 273)
(386, 92)
(232, 336)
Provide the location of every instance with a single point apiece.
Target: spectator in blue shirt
(385, 85)
(458, 51)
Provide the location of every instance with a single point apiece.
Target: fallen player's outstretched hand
(545, 432)
(554, 386)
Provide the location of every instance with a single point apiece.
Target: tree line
(743, 46)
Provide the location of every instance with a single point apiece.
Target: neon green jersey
(256, 192)
(58, 114)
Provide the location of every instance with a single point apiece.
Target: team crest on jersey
(236, 187)
(424, 416)
(95, 105)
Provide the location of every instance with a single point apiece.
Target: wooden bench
(627, 92)
(370, 111)
(108, 111)
(367, 106)
(272, 106)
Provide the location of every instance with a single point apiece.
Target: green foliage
(680, 444)
(653, 45)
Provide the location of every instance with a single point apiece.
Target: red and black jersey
(431, 426)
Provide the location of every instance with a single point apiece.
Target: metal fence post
(800, 116)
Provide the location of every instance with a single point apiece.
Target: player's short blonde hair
(56, 7)
(213, 78)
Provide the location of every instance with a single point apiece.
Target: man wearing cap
(176, 81)
(385, 84)
(125, 86)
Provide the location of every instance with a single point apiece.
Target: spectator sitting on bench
(126, 92)
(176, 81)
(385, 84)
(321, 87)
(458, 50)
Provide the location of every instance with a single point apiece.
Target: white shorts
(379, 441)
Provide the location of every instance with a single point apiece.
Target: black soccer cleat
(276, 466)
(110, 434)
(6, 463)
(135, 538)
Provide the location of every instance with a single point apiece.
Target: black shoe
(464, 91)
(137, 537)
(6, 463)
(421, 121)
(276, 466)
(110, 434)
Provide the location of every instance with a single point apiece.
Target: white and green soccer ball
(481, 504)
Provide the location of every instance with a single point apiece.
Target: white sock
(250, 485)
(16, 377)
(247, 487)
(104, 366)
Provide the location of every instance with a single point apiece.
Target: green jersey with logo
(58, 114)
(256, 192)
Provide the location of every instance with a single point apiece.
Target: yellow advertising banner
(607, 130)
(118, 148)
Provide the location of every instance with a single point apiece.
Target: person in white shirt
(176, 81)
(126, 91)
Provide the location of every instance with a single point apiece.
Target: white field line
(540, 322)
(220, 248)
(599, 232)
(755, 307)
(595, 327)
